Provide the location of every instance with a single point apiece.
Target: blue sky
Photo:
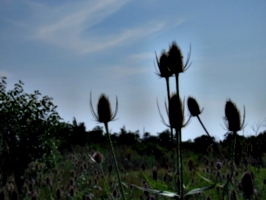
(67, 49)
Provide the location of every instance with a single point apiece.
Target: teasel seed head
(72, 191)
(164, 70)
(233, 195)
(104, 112)
(98, 157)
(247, 184)
(193, 107)
(58, 193)
(175, 60)
(176, 112)
(232, 117)
(143, 166)
(190, 165)
(110, 168)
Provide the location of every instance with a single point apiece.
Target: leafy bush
(29, 127)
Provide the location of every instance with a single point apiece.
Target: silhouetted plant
(105, 115)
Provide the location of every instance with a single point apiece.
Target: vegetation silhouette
(43, 157)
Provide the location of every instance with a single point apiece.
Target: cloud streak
(71, 28)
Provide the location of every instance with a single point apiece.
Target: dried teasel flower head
(232, 117)
(98, 157)
(175, 59)
(176, 112)
(233, 195)
(247, 184)
(162, 62)
(193, 107)
(104, 112)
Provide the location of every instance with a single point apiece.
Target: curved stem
(116, 165)
(214, 144)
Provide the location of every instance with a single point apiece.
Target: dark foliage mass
(32, 130)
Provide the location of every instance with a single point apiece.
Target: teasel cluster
(171, 64)
(105, 115)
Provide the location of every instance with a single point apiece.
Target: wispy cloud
(71, 27)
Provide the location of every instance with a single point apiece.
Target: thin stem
(179, 148)
(105, 182)
(179, 162)
(116, 165)
(233, 147)
(171, 131)
(214, 144)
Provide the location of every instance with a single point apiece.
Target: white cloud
(71, 26)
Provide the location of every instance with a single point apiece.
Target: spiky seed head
(58, 193)
(104, 109)
(176, 114)
(175, 59)
(110, 168)
(72, 191)
(143, 167)
(208, 198)
(98, 157)
(247, 184)
(193, 107)
(104, 112)
(218, 165)
(164, 70)
(232, 116)
(114, 193)
(233, 195)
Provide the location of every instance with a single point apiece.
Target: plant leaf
(160, 192)
(199, 190)
(155, 184)
(209, 181)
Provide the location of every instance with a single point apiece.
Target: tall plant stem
(171, 132)
(179, 162)
(179, 148)
(105, 182)
(116, 165)
(233, 148)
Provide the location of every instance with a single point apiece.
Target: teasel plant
(176, 118)
(98, 158)
(233, 124)
(165, 72)
(105, 115)
(176, 66)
